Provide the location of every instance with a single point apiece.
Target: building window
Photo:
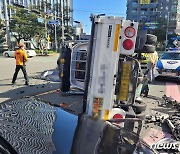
(167, 1)
(25, 2)
(174, 8)
(167, 8)
(12, 1)
(174, 2)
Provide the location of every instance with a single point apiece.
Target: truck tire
(65, 79)
(141, 116)
(149, 48)
(139, 106)
(151, 39)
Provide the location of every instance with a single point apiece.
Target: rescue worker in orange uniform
(21, 58)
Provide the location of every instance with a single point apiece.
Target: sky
(82, 10)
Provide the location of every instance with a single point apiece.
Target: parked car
(10, 53)
(33, 126)
(169, 63)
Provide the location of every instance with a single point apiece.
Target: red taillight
(129, 32)
(128, 44)
(117, 116)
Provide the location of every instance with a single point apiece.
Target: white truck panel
(104, 66)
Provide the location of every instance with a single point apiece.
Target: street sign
(175, 38)
(151, 27)
(41, 20)
(151, 23)
(53, 22)
(175, 43)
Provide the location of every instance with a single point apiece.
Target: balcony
(144, 13)
(134, 12)
(153, 5)
(174, 10)
(134, 5)
(153, 13)
(144, 6)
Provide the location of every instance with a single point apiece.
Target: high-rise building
(47, 6)
(167, 9)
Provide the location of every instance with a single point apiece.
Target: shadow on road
(30, 90)
(163, 79)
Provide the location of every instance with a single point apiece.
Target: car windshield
(171, 56)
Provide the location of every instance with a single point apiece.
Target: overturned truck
(107, 70)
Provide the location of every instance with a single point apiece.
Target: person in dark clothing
(21, 58)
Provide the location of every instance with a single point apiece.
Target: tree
(24, 24)
(2, 33)
(160, 32)
(68, 29)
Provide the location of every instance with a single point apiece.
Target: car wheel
(6, 55)
(149, 48)
(151, 39)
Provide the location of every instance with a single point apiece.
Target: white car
(10, 53)
(169, 63)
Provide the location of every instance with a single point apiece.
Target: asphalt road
(39, 64)
(35, 66)
(43, 89)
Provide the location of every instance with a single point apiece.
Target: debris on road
(156, 117)
(49, 75)
(174, 123)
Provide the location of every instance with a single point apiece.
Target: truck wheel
(149, 48)
(151, 39)
(65, 79)
(139, 106)
(141, 116)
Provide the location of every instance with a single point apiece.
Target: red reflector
(129, 32)
(128, 44)
(117, 116)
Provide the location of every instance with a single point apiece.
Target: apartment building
(48, 6)
(167, 9)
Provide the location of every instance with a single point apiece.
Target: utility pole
(62, 21)
(167, 30)
(55, 33)
(45, 26)
(6, 23)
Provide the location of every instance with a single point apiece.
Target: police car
(169, 63)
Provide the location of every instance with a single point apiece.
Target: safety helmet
(21, 44)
